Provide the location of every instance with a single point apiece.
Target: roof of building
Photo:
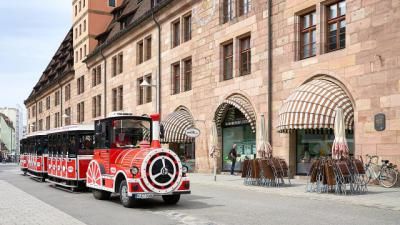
(130, 14)
(60, 65)
(7, 120)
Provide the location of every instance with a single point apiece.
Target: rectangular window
(67, 92)
(114, 99)
(336, 26)
(227, 10)
(84, 25)
(111, 3)
(114, 66)
(140, 49)
(245, 56)
(308, 35)
(148, 48)
(140, 95)
(120, 98)
(48, 102)
(81, 85)
(94, 77)
(176, 33)
(68, 116)
(187, 28)
(40, 107)
(148, 89)
(48, 123)
(57, 98)
(176, 78)
(187, 75)
(120, 63)
(57, 120)
(227, 61)
(96, 106)
(80, 111)
(244, 7)
(34, 111)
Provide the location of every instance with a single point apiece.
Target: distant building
(15, 116)
(7, 136)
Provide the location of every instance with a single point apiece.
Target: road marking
(184, 219)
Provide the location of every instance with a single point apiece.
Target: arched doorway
(236, 124)
(308, 114)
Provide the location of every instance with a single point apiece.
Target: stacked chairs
(265, 172)
(345, 176)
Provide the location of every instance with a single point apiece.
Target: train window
(64, 144)
(128, 133)
(102, 138)
(86, 144)
(58, 145)
(72, 145)
(41, 145)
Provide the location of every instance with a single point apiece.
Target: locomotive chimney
(156, 131)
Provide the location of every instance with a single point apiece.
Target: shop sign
(380, 122)
(192, 132)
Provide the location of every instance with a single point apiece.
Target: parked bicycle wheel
(388, 177)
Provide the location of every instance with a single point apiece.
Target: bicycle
(387, 174)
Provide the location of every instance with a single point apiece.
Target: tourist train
(119, 154)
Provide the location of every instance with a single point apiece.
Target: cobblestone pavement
(377, 197)
(20, 208)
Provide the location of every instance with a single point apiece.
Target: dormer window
(111, 3)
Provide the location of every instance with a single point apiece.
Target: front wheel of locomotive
(126, 200)
(171, 199)
(101, 195)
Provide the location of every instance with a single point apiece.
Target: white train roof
(77, 127)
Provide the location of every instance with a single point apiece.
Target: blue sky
(31, 31)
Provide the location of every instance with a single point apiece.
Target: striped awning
(239, 102)
(313, 105)
(175, 126)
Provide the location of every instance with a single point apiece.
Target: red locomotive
(70, 151)
(128, 159)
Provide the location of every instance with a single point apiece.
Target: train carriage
(23, 157)
(37, 154)
(128, 159)
(70, 151)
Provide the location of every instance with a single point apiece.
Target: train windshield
(128, 133)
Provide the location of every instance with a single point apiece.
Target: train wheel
(94, 174)
(101, 195)
(126, 201)
(171, 199)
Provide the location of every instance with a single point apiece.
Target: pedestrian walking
(233, 156)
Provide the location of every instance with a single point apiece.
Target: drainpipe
(158, 74)
(269, 77)
(105, 82)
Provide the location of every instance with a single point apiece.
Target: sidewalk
(377, 197)
(20, 208)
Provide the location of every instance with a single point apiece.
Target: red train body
(127, 159)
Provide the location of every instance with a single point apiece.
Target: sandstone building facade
(208, 61)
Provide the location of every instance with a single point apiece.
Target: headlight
(135, 170)
(185, 169)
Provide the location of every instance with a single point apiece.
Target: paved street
(225, 202)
